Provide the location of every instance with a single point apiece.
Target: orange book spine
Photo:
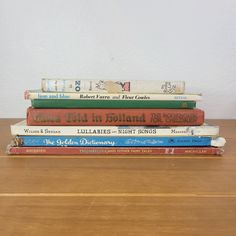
(115, 117)
(114, 151)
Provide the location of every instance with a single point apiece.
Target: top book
(112, 86)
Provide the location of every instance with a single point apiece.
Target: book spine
(187, 151)
(101, 96)
(115, 117)
(90, 141)
(115, 130)
(74, 103)
(110, 86)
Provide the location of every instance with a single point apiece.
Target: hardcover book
(115, 117)
(103, 141)
(21, 128)
(186, 151)
(37, 94)
(75, 103)
(112, 86)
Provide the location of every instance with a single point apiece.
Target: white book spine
(204, 130)
(31, 94)
(111, 86)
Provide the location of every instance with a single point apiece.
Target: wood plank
(117, 176)
(117, 216)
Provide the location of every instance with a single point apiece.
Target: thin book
(112, 86)
(21, 128)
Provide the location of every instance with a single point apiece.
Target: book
(21, 128)
(75, 103)
(115, 117)
(121, 141)
(112, 86)
(187, 151)
(38, 94)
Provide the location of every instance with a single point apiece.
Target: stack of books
(79, 117)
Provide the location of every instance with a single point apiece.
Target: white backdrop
(191, 40)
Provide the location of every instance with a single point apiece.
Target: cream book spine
(21, 128)
(37, 94)
(112, 86)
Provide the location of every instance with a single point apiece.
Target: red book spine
(114, 151)
(109, 117)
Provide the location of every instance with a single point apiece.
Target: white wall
(191, 40)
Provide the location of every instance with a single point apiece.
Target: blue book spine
(77, 141)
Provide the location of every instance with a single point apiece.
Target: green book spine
(64, 103)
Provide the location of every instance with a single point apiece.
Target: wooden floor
(118, 195)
